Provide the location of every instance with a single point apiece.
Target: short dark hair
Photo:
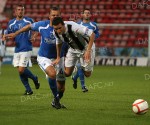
(57, 20)
(85, 9)
(19, 5)
(54, 8)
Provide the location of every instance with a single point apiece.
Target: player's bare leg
(87, 73)
(68, 71)
(50, 71)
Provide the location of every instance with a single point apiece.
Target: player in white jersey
(86, 21)
(80, 39)
(2, 47)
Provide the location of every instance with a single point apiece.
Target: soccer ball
(140, 106)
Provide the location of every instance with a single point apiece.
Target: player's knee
(21, 70)
(52, 75)
(67, 75)
(68, 71)
(87, 74)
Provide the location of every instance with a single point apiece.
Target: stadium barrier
(121, 60)
(127, 59)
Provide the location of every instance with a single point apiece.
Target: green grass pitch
(112, 90)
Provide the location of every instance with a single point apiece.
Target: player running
(23, 49)
(86, 15)
(80, 39)
(47, 54)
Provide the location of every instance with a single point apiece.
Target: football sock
(81, 76)
(75, 77)
(29, 74)
(60, 93)
(25, 82)
(53, 86)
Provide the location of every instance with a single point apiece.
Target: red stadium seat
(103, 11)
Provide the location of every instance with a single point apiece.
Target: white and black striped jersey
(2, 43)
(77, 36)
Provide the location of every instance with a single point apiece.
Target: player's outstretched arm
(12, 35)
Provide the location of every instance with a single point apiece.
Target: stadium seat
(104, 11)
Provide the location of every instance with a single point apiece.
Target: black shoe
(84, 89)
(55, 103)
(62, 105)
(28, 92)
(74, 83)
(36, 83)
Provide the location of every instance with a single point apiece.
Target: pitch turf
(112, 90)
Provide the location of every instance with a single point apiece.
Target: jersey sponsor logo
(51, 39)
(33, 25)
(20, 25)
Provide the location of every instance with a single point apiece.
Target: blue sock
(25, 82)
(81, 76)
(29, 74)
(75, 77)
(53, 86)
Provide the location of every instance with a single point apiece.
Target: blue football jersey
(93, 26)
(22, 40)
(48, 41)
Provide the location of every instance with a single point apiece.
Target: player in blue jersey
(86, 15)
(23, 49)
(47, 54)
